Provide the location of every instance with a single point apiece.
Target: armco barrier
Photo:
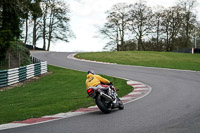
(15, 75)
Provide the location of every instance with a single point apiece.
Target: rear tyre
(103, 106)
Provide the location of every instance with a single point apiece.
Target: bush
(5, 38)
(16, 55)
(19, 54)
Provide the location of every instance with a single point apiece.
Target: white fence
(15, 75)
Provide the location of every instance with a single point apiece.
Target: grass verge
(150, 59)
(62, 91)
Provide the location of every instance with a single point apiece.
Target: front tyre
(103, 106)
(121, 105)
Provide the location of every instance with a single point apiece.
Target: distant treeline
(139, 27)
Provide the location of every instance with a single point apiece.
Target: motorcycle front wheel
(103, 106)
(121, 105)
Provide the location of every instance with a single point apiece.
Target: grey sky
(85, 14)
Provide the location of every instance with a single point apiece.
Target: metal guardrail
(15, 75)
(35, 60)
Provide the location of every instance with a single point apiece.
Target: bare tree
(166, 29)
(157, 29)
(176, 16)
(140, 21)
(36, 13)
(43, 21)
(116, 27)
(51, 22)
(58, 22)
(189, 19)
(110, 32)
(26, 16)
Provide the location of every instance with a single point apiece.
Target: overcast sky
(85, 14)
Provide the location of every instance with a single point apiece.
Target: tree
(50, 22)
(58, 22)
(11, 13)
(166, 29)
(116, 26)
(26, 17)
(189, 20)
(176, 24)
(109, 31)
(140, 22)
(10, 18)
(36, 13)
(1, 16)
(157, 29)
(172, 24)
(44, 7)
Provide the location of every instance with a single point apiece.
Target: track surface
(173, 106)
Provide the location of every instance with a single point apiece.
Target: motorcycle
(105, 98)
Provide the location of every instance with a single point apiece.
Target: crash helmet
(91, 72)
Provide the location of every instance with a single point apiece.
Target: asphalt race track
(173, 106)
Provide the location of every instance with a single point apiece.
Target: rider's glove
(110, 83)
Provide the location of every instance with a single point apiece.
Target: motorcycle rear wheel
(103, 106)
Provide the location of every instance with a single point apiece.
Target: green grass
(150, 59)
(62, 91)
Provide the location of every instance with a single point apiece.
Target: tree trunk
(140, 41)
(34, 34)
(122, 40)
(117, 41)
(44, 33)
(49, 42)
(187, 29)
(143, 46)
(26, 36)
(139, 44)
(167, 45)
(49, 37)
(157, 38)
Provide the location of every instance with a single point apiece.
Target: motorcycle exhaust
(108, 98)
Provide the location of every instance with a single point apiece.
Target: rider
(94, 80)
